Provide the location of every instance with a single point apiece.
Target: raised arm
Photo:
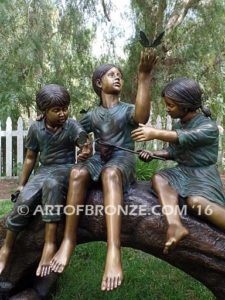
(142, 105)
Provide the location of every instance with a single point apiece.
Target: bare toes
(49, 270)
(60, 269)
(55, 267)
(119, 281)
(170, 245)
(108, 284)
(38, 271)
(104, 284)
(115, 283)
(42, 271)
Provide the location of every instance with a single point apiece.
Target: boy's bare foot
(48, 252)
(4, 256)
(62, 257)
(175, 233)
(113, 274)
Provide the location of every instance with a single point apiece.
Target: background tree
(193, 45)
(43, 42)
(52, 40)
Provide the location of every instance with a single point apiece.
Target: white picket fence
(7, 159)
(12, 158)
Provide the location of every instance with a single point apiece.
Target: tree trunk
(201, 254)
(180, 11)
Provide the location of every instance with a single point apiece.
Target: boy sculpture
(54, 138)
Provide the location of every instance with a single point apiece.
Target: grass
(146, 277)
(145, 171)
(5, 206)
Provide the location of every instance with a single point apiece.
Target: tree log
(201, 254)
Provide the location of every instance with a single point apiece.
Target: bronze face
(173, 109)
(112, 82)
(57, 116)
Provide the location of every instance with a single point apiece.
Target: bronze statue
(193, 144)
(54, 138)
(112, 121)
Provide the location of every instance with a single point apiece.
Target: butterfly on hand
(145, 42)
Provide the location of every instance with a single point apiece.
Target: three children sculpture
(193, 144)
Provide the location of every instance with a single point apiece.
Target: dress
(112, 125)
(50, 183)
(196, 154)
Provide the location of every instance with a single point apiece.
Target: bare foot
(113, 274)
(62, 257)
(4, 256)
(175, 233)
(48, 252)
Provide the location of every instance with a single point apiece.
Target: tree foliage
(50, 41)
(43, 42)
(193, 46)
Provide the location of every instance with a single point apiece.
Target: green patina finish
(50, 182)
(196, 154)
(58, 147)
(113, 125)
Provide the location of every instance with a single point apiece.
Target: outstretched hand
(148, 60)
(143, 133)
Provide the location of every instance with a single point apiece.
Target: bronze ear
(98, 83)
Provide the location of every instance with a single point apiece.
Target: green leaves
(193, 46)
(42, 42)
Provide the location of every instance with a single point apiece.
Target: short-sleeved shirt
(55, 147)
(196, 154)
(197, 142)
(112, 125)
